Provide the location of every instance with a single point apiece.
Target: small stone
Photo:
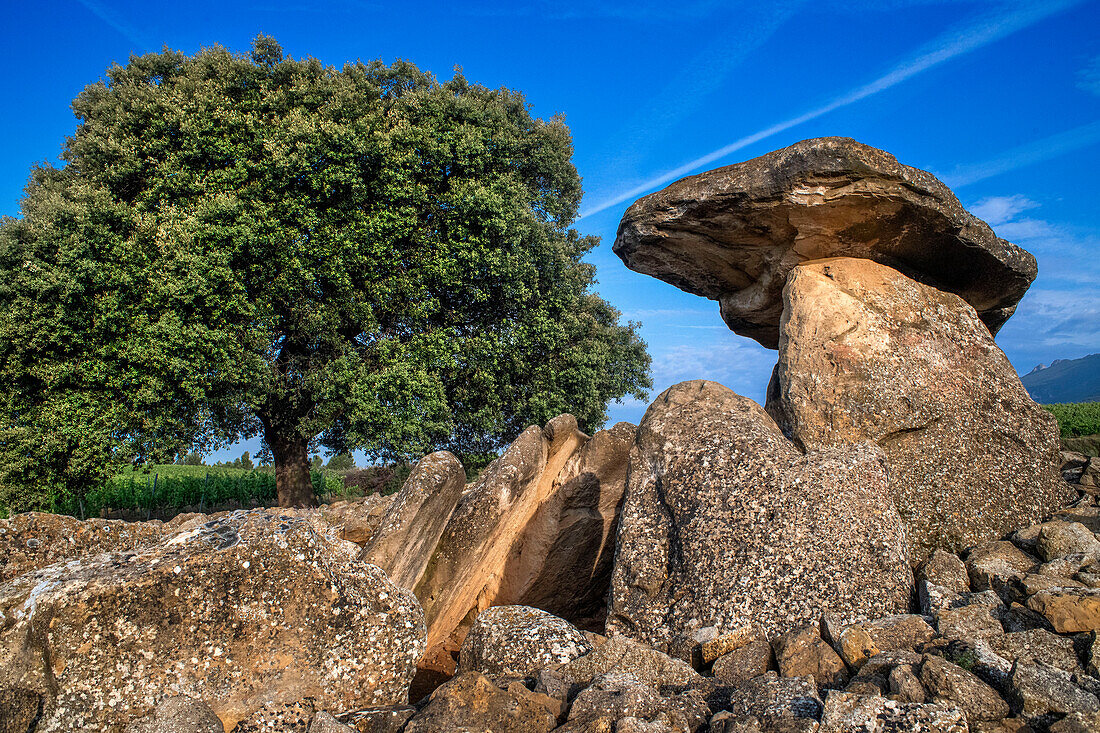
(946, 570)
(1069, 611)
(471, 701)
(743, 663)
(1077, 723)
(1058, 539)
(1038, 689)
(905, 686)
(969, 622)
(994, 565)
(802, 652)
(728, 642)
(623, 655)
(846, 712)
(951, 683)
(789, 704)
(324, 723)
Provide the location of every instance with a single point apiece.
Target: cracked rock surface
(727, 524)
(869, 354)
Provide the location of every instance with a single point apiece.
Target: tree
(341, 462)
(246, 461)
(355, 258)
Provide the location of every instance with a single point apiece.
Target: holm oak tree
(239, 245)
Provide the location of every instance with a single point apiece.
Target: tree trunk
(292, 480)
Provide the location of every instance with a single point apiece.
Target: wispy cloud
(1088, 78)
(111, 18)
(997, 210)
(943, 49)
(1025, 155)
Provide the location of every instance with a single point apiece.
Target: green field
(167, 489)
(1077, 418)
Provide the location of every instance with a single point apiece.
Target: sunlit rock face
(734, 233)
(867, 353)
(248, 609)
(727, 524)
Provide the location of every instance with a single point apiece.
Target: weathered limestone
(533, 530)
(412, 525)
(513, 642)
(733, 234)
(34, 540)
(726, 524)
(866, 353)
(251, 608)
(356, 520)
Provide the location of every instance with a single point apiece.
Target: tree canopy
(240, 245)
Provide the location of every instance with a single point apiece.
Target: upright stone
(727, 524)
(412, 525)
(867, 353)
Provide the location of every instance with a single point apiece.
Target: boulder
(356, 520)
(733, 234)
(801, 652)
(951, 684)
(414, 521)
(846, 712)
(868, 354)
(614, 698)
(178, 715)
(471, 702)
(799, 534)
(512, 642)
(575, 532)
(1037, 645)
(620, 654)
(532, 530)
(249, 609)
(33, 540)
(731, 641)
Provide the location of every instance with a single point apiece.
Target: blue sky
(1000, 99)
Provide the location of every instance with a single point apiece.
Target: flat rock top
(732, 234)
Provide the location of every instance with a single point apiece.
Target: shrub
(1077, 418)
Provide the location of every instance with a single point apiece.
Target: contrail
(110, 18)
(945, 48)
(1024, 155)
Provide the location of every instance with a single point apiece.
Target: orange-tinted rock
(533, 530)
(733, 234)
(415, 519)
(867, 353)
(357, 519)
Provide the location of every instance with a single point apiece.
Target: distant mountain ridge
(1065, 380)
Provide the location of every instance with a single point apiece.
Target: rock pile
(887, 546)
(881, 293)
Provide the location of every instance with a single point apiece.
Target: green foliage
(965, 659)
(1076, 419)
(341, 462)
(357, 258)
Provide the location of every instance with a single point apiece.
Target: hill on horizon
(1065, 380)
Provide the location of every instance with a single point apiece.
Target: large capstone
(727, 524)
(869, 354)
(734, 233)
(249, 609)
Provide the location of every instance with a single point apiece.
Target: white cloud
(1088, 78)
(997, 210)
(944, 48)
